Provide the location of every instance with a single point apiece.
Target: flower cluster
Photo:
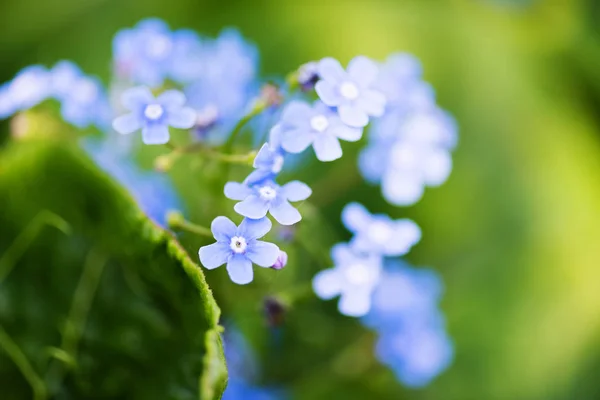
(409, 147)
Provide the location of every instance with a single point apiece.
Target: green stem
(20, 359)
(177, 222)
(26, 237)
(75, 324)
(258, 107)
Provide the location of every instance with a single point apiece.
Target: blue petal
(372, 162)
(341, 254)
(372, 102)
(285, 213)
(356, 303)
(214, 255)
(263, 157)
(223, 229)
(296, 191)
(438, 166)
(327, 147)
(296, 113)
(327, 284)
(155, 134)
(296, 140)
(331, 70)
(355, 217)
(183, 118)
(254, 228)
(345, 132)
(252, 207)
(353, 116)
(126, 124)
(240, 269)
(136, 98)
(328, 93)
(401, 188)
(263, 254)
(363, 70)
(171, 99)
(237, 191)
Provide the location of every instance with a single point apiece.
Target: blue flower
(267, 196)
(353, 277)
(303, 125)
(397, 79)
(351, 91)
(239, 248)
(144, 53)
(28, 88)
(269, 160)
(154, 116)
(379, 234)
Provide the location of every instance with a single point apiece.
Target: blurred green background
(515, 232)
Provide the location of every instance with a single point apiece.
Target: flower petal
(240, 269)
(327, 147)
(330, 69)
(353, 115)
(363, 70)
(171, 99)
(355, 304)
(327, 284)
(296, 113)
(254, 228)
(183, 118)
(252, 207)
(296, 140)
(328, 93)
(214, 255)
(372, 102)
(341, 254)
(237, 191)
(296, 191)
(438, 165)
(285, 213)
(263, 254)
(263, 157)
(401, 188)
(126, 124)
(155, 134)
(345, 132)
(135, 98)
(355, 217)
(223, 229)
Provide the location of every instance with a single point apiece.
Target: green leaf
(95, 299)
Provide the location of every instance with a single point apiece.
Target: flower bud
(281, 260)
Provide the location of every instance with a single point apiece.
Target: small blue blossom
(239, 248)
(351, 91)
(154, 115)
(353, 277)
(379, 234)
(269, 160)
(303, 125)
(256, 199)
(28, 88)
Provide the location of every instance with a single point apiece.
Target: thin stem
(258, 107)
(177, 222)
(18, 247)
(165, 162)
(75, 324)
(20, 359)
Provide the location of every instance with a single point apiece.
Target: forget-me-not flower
(269, 160)
(239, 247)
(351, 91)
(379, 233)
(154, 115)
(303, 125)
(28, 88)
(353, 278)
(256, 199)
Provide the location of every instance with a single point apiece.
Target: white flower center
(158, 46)
(267, 193)
(349, 90)
(319, 123)
(357, 274)
(379, 232)
(238, 244)
(277, 164)
(153, 111)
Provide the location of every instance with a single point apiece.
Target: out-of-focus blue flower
(303, 125)
(239, 248)
(144, 53)
(353, 278)
(154, 192)
(267, 196)
(241, 390)
(378, 233)
(28, 88)
(270, 159)
(416, 353)
(224, 84)
(154, 115)
(352, 91)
